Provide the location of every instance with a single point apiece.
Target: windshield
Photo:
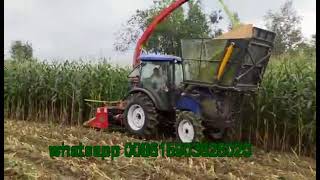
(154, 75)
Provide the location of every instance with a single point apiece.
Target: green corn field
(284, 110)
(282, 114)
(56, 91)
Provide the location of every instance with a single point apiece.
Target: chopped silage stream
(26, 155)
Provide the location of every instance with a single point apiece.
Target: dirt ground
(26, 156)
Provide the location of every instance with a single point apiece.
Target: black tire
(226, 134)
(149, 127)
(212, 133)
(223, 134)
(166, 124)
(230, 109)
(196, 124)
(233, 133)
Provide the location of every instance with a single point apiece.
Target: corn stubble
(26, 157)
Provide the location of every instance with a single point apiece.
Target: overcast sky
(60, 29)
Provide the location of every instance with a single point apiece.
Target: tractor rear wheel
(188, 127)
(140, 115)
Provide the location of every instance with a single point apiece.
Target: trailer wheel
(213, 133)
(188, 127)
(140, 115)
(233, 133)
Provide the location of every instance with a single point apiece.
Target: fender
(159, 104)
(187, 103)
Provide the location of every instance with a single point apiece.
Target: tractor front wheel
(140, 115)
(188, 127)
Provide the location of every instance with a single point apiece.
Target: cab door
(176, 80)
(158, 83)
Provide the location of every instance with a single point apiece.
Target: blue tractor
(198, 95)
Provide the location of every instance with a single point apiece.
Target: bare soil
(26, 156)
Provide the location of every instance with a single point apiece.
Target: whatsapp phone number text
(154, 149)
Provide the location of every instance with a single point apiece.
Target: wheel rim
(185, 131)
(136, 117)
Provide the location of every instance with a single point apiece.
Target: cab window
(178, 74)
(154, 75)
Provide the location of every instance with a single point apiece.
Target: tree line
(193, 22)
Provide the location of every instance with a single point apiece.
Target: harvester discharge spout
(147, 33)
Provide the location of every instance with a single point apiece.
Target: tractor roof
(158, 57)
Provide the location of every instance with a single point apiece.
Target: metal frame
(255, 64)
(238, 77)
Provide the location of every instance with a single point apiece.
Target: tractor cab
(159, 76)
